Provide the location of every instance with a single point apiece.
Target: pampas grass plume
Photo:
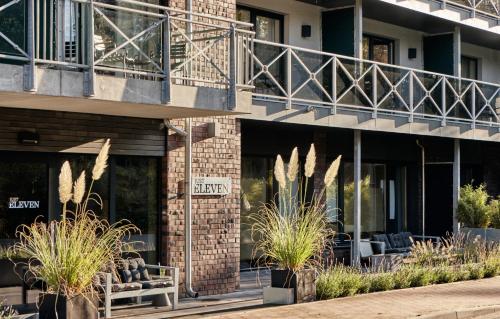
(101, 161)
(79, 189)
(332, 171)
(310, 162)
(65, 183)
(279, 171)
(293, 165)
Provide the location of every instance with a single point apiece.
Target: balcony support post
(456, 184)
(358, 29)
(89, 75)
(166, 82)
(231, 105)
(29, 76)
(457, 52)
(374, 91)
(333, 111)
(410, 102)
(473, 105)
(443, 100)
(289, 78)
(357, 199)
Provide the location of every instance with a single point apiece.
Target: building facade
(406, 91)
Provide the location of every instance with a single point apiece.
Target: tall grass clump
(67, 254)
(6, 312)
(291, 231)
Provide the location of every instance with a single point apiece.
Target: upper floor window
(378, 49)
(469, 67)
(268, 25)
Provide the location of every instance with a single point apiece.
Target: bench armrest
(174, 271)
(380, 245)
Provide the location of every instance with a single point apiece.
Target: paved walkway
(407, 303)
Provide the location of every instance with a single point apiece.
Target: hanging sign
(15, 203)
(211, 186)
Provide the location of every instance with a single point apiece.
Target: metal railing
(125, 38)
(487, 8)
(297, 76)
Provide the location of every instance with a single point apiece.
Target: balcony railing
(297, 76)
(127, 38)
(488, 8)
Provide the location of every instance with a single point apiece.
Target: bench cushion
(396, 241)
(158, 283)
(383, 237)
(126, 287)
(407, 239)
(133, 270)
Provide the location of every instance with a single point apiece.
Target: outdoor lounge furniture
(398, 243)
(378, 261)
(135, 281)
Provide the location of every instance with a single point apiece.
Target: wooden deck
(249, 296)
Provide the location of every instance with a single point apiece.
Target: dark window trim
(469, 58)
(254, 12)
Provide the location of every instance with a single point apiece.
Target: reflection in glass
(372, 198)
(256, 186)
(23, 197)
(101, 187)
(137, 200)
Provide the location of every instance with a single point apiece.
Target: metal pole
(29, 76)
(166, 83)
(89, 75)
(232, 68)
(423, 186)
(357, 198)
(358, 29)
(456, 184)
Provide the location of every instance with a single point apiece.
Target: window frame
(254, 12)
(469, 58)
(371, 38)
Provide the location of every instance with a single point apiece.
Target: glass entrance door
(23, 196)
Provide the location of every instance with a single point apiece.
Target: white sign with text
(211, 186)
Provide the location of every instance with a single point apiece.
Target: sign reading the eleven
(211, 185)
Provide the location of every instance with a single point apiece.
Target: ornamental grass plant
(67, 254)
(291, 231)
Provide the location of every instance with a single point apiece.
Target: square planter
(303, 282)
(279, 296)
(52, 306)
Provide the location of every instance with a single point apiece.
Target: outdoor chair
(378, 261)
(399, 243)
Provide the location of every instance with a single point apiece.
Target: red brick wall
(216, 220)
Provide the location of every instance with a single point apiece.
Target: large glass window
(469, 67)
(378, 49)
(137, 200)
(372, 198)
(23, 196)
(268, 27)
(256, 189)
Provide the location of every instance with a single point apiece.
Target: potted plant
(67, 255)
(291, 231)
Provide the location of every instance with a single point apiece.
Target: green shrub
(473, 209)
(402, 277)
(421, 277)
(339, 281)
(476, 271)
(381, 281)
(495, 213)
(444, 274)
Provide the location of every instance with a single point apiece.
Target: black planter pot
(303, 282)
(12, 272)
(52, 306)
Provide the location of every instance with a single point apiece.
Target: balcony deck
(298, 85)
(130, 59)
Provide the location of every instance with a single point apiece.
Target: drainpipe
(423, 187)
(188, 211)
(187, 134)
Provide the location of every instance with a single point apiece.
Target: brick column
(216, 219)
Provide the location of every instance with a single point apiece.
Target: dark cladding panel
(338, 31)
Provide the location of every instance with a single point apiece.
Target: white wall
(296, 14)
(489, 61)
(404, 39)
